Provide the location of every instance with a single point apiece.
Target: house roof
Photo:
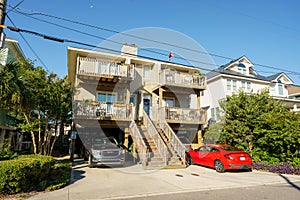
(15, 48)
(225, 70)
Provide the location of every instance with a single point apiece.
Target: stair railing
(158, 141)
(177, 145)
(139, 142)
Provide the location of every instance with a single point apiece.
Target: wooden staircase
(155, 160)
(153, 145)
(174, 160)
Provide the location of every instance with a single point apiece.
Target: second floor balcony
(104, 68)
(184, 115)
(181, 79)
(103, 110)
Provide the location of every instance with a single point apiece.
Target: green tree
(262, 126)
(33, 99)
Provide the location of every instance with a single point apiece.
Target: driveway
(133, 181)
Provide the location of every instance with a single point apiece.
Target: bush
(31, 172)
(6, 152)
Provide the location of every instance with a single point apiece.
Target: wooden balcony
(175, 78)
(103, 111)
(102, 68)
(184, 115)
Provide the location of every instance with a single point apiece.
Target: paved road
(135, 183)
(280, 191)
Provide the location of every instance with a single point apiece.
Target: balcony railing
(176, 78)
(97, 67)
(103, 110)
(184, 115)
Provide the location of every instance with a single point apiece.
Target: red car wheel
(219, 166)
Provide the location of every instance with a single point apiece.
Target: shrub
(6, 152)
(32, 172)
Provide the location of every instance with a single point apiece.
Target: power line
(146, 39)
(48, 37)
(14, 7)
(102, 38)
(30, 47)
(121, 33)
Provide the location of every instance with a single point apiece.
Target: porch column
(160, 97)
(126, 143)
(200, 138)
(198, 101)
(127, 99)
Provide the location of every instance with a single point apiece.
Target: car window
(215, 150)
(205, 149)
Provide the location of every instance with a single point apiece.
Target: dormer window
(242, 68)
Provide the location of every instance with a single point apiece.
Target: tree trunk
(40, 143)
(32, 135)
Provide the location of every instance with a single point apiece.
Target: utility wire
(56, 39)
(109, 40)
(121, 33)
(147, 39)
(30, 47)
(14, 7)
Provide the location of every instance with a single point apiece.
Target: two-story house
(239, 75)
(153, 103)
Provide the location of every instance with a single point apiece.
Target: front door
(147, 106)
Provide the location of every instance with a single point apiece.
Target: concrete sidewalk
(133, 181)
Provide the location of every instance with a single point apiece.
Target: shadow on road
(289, 182)
(77, 174)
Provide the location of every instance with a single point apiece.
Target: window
(218, 113)
(229, 84)
(243, 85)
(146, 72)
(242, 68)
(234, 87)
(280, 89)
(213, 116)
(248, 86)
(106, 97)
(169, 102)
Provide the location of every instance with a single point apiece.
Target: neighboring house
(294, 96)
(11, 51)
(147, 101)
(239, 75)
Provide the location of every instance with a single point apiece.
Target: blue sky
(267, 32)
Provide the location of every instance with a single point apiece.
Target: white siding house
(240, 75)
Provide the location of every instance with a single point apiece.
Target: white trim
(225, 76)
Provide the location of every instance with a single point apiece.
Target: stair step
(156, 164)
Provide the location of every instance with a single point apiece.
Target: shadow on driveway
(289, 182)
(77, 174)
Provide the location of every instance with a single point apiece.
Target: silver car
(106, 151)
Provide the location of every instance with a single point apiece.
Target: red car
(220, 157)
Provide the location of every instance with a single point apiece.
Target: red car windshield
(229, 148)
